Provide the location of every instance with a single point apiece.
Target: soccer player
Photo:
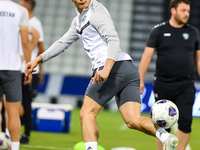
(35, 36)
(27, 90)
(114, 73)
(178, 51)
(13, 24)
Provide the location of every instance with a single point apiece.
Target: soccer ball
(164, 113)
(5, 141)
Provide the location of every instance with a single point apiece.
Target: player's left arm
(104, 25)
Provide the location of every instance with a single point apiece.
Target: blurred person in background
(177, 46)
(28, 91)
(14, 23)
(4, 115)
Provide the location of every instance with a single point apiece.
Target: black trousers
(27, 91)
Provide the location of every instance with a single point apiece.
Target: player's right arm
(55, 49)
(32, 64)
(144, 65)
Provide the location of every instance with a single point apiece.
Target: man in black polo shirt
(178, 51)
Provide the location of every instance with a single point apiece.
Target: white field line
(45, 147)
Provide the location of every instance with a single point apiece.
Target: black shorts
(1, 94)
(123, 83)
(183, 96)
(10, 85)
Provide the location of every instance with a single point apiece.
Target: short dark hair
(174, 3)
(32, 3)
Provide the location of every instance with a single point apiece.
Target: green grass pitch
(113, 133)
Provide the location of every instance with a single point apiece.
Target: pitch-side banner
(148, 99)
(57, 84)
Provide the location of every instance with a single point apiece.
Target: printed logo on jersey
(167, 34)
(7, 14)
(186, 36)
(84, 18)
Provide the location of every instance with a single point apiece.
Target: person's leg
(163, 91)
(183, 139)
(21, 110)
(12, 89)
(184, 102)
(159, 144)
(26, 103)
(6, 116)
(90, 131)
(13, 120)
(131, 114)
(175, 128)
(27, 116)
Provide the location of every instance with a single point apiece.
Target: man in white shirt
(14, 21)
(114, 73)
(27, 90)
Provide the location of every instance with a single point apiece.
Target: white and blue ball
(5, 141)
(164, 113)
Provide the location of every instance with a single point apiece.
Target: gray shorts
(123, 83)
(10, 85)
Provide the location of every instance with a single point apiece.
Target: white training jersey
(12, 16)
(95, 28)
(35, 23)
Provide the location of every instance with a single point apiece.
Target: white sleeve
(40, 30)
(63, 43)
(104, 25)
(25, 16)
(36, 23)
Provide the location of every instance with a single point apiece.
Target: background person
(176, 43)
(4, 116)
(14, 22)
(27, 90)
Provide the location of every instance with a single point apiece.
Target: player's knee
(185, 125)
(84, 114)
(133, 124)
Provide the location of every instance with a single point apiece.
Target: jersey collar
(85, 10)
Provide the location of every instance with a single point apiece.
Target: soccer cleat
(171, 143)
(24, 139)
